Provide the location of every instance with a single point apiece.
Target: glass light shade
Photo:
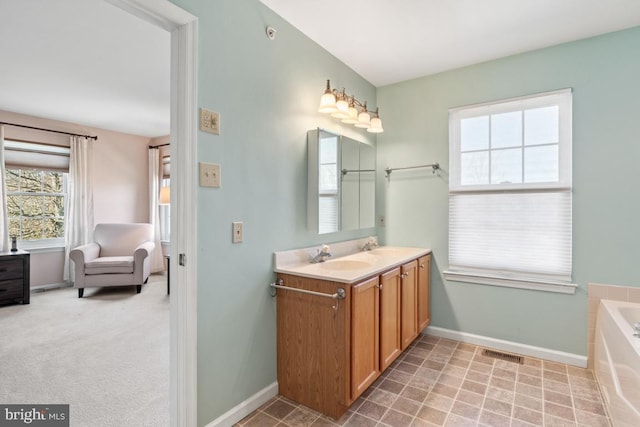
(342, 109)
(364, 120)
(327, 103)
(165, 196)
(376, 126)
(353, 116)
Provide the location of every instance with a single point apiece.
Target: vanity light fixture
(349, 110)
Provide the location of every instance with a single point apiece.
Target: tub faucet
(322, 255)
(636, 329)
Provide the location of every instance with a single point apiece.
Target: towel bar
(340, 293)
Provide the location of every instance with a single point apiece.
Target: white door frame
(184, 97)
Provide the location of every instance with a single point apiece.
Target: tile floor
(439, 382)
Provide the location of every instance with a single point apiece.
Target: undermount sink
(345, 265)
(384, 251)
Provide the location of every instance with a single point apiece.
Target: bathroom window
(510, 193)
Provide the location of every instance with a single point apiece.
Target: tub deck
(617, 361)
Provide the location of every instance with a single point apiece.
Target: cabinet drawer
(10, 289)
(11, 268)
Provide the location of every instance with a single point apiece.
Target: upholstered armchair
(118, 256)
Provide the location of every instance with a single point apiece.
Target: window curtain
(4, 218)
(157, 262)
(79, 213)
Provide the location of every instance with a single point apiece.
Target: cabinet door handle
(380, 286)
(421, 265)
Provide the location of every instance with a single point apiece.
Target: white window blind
(31, 155)
(328, 214)
(510, 218)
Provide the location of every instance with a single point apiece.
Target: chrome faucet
(322, 255)
(636, 329)
(371, 244)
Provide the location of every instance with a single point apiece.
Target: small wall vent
(503, 356)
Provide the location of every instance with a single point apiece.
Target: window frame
(563, 99)
(50, 242)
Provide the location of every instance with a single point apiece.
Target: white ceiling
(88, 62)
(390, 41)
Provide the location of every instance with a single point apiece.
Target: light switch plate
(210, 175)
(237, 232)
(209, 121)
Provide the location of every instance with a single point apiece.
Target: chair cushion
(121, 239)
(110, 264)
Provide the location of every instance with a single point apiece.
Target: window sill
(531, 284)
(36, 248)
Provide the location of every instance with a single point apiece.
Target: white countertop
(349, 268)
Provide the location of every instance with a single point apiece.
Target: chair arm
(80, 256)
(143, 251)
(142, 262)
(84, 253)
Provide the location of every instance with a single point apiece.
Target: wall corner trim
(246, 407)
(509, 346)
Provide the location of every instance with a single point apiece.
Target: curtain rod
(95, 138)
(151, 147)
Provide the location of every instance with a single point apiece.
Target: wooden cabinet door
(409, 306)
(390, 345)
(424, 313)
(313, 345)
(365, 306)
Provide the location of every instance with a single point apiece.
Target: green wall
(267, 93)
(604, 73)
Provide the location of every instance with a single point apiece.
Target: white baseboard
(512, 347)
(42, 288)
(243, 409)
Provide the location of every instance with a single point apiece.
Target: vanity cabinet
(331, 351)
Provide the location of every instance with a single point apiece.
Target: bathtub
(617, 361)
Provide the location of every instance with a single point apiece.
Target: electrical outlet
(237, 232)
(210, 175)
(381, 221)
(209, 121)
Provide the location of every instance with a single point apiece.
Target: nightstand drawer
(11, 268)
(14, 277)
(10, 289)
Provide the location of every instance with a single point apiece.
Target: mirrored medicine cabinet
(341, 184)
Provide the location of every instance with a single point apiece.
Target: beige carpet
(107, 354)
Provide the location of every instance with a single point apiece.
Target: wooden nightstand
(14, 277)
